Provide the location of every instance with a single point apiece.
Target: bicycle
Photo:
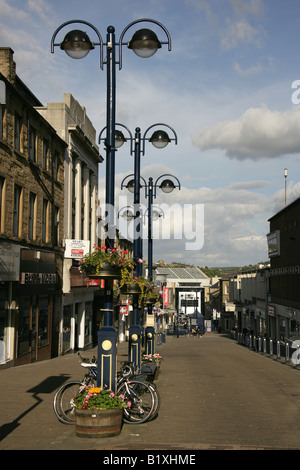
(143, 396)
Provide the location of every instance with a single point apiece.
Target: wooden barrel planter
(98, 423)
(105, 271)
(131, 289)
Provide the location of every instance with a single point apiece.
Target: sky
(229, 88)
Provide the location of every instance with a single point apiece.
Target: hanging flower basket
(131, 284)
(131, 289)
(106, 271)
(106, 263)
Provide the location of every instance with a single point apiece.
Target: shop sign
(166, 296)
(123, 309)
(271, 311)
(76, 249)
(38, 278)
(95, 283)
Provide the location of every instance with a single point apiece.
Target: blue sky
(225, 88)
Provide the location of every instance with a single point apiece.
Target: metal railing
(287, 351)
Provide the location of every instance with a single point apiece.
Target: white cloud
(9, 13)
(242, 8)
(41, 8)
(263, 65)
(258, 133)
(241, 32)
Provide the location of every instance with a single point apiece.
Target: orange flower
(94, 390)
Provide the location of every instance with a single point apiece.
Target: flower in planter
(94, 398)
(152, 358)
(103, 255)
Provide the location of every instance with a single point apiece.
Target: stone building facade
(78, 311)
(31, 222)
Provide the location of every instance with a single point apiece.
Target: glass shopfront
(24, 330)
(4, 323)
(88, 338)
(33, 321)
(66, 332)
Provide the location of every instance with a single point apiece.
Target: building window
(2, 204)
(45, 221)
(273, 239)
(73, 197)
(17, 215)
(82, 220)
(45, 154)
(32, 217)
(56, 226)
(32, 144)
(17, 137)
(1, 121)
(56, 166)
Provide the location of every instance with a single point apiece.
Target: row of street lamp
(144, 43)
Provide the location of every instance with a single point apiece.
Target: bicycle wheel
(152, 385)
(63, 402)
(156, 401)
(142, 399)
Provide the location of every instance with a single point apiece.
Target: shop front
(78, 321)
(34, 296)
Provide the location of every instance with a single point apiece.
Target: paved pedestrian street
(215, 395)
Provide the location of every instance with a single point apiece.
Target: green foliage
(94, 398)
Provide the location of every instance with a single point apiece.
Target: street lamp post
(159, 139)
(77, 45)
(166, 184)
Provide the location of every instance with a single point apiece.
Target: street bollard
(134, 349)
(149, 337)
(107, 338)
(287, 353)
(265, 346)
(278, 351)
(271, 348)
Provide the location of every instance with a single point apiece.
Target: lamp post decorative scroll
(77, 45)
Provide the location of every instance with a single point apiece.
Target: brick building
(31, 222)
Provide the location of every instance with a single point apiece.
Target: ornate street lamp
(159, 139)
(77, 45)
(166, 184)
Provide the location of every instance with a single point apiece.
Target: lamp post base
(134, 347)
(149, 338)
(107, 358)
